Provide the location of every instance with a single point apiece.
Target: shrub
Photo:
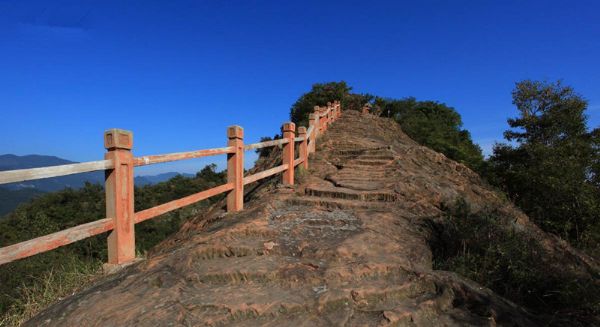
(485, 248)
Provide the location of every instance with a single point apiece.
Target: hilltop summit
(349, 245)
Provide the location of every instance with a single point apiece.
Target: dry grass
(49, 288)
(300, 175)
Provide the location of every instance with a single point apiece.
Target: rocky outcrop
(344, 247)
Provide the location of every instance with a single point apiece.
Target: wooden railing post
(289, 130)
(119, 196)
(303, 146)
(235, 169)
(319, 125)
(314, 122)
(335, 110)
(323, 118)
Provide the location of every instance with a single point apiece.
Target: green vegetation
(320, 94)
(32, 283)
(484, 248)
(265, 152)
(551, 170)
(43, 289)
(10, 199)
(434, 125)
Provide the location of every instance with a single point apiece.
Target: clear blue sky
(177, 73)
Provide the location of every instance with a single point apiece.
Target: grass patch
(485, 248)
(300, 175)
(48, 288)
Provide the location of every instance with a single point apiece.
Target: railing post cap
(235, 132)
(289, 127)
(115, 138)
(301, 130)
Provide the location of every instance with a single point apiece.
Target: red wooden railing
(119, 164)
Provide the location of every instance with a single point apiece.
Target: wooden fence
(119, 163)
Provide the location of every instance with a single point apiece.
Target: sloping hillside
(347, 246)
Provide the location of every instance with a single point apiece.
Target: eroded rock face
(344, 248)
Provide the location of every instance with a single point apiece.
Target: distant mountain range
(13, 194)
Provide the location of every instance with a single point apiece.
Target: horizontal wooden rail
(299, 139)
(21, 175)
(265, 144)
(179, 203)
(55, 240)
(298, 161)
(160, 158)
(265, 174)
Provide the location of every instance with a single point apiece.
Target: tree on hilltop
(551, 167)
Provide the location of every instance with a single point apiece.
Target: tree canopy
(320, 94)
(434, 125)
(551, 167)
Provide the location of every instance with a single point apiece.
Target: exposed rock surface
(345, 247)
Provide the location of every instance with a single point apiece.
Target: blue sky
(178, 73)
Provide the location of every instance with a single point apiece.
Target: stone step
(234, 249)
(353, 151)
(259, 270)
(362, 175)
(246, 304)
(349, 194)
(352, 177)
(388, 157)
(333, 203)
(370, 162)
(360, 185)
(366, 169)
(279, 306)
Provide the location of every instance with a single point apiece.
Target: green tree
(595, 167)
(434, 125)
(320, 94)
(550, 169)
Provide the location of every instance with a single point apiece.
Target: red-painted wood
(289, 130)
(235, 169)
(119, 196)
(180, 203)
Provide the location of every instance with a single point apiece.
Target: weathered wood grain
(160, 158)
(55, 240)
(264, 174)
(265, 144)
(179, 203)
(21, 175)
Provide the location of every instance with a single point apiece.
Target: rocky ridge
(345, 247)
